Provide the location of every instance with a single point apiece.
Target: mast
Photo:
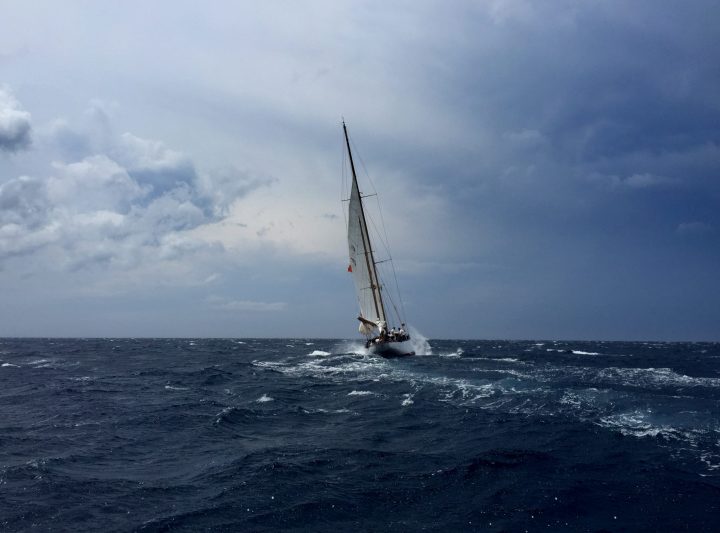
(369, 258)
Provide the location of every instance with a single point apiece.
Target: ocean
(313, 435)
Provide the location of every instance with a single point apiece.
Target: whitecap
(580, 352)
(264, 398)
(10, 364)
(654, 377)
(222, 414)
(319, 352)
(360, 393)
(456, 353)
(408, 400)
(171, 387)
(639, 424)
(712, 461)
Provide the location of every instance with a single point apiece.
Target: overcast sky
(547, 169)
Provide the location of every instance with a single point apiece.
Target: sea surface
(315, 435)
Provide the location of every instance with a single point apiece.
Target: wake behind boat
(371, 293)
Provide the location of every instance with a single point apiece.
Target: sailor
(401, 332)
(392, 333)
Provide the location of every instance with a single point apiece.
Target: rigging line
(394, 272)
(362, 163)
(385, 241)
(402, 304)
(343, 183)
(397, 312)
(365, 235)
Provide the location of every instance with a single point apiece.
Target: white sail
(367, 286)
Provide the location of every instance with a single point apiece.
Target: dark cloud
(220, 187)
(550, 166)
(15, 126)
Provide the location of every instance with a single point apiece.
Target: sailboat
(369, 288)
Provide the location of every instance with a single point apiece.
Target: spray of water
(351, 347)
(419, 342)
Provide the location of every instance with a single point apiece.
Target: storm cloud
(547, 169)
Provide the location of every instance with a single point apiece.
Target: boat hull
(392, 349)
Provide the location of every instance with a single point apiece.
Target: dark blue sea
(312, 435)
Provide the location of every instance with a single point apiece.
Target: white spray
(419, 342)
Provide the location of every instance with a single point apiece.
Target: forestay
(362, 265)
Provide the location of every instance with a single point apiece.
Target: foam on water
(639, 423)
(529, 393)
(654, 377)
(456, 353)
(349, 435)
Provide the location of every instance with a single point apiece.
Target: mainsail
(362, 261)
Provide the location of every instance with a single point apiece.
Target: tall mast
(369, 258)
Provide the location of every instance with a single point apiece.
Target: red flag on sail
(349, 268)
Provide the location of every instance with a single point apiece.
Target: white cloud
(634, 181)
(693, 228)
(15, 126)
(224, 304)
(126, 201)
(152, 162)
(645, 180)
(95, 183)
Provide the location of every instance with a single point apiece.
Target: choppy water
(302, 434)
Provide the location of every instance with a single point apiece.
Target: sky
(546, 169)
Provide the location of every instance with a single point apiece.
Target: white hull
(392, 349)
